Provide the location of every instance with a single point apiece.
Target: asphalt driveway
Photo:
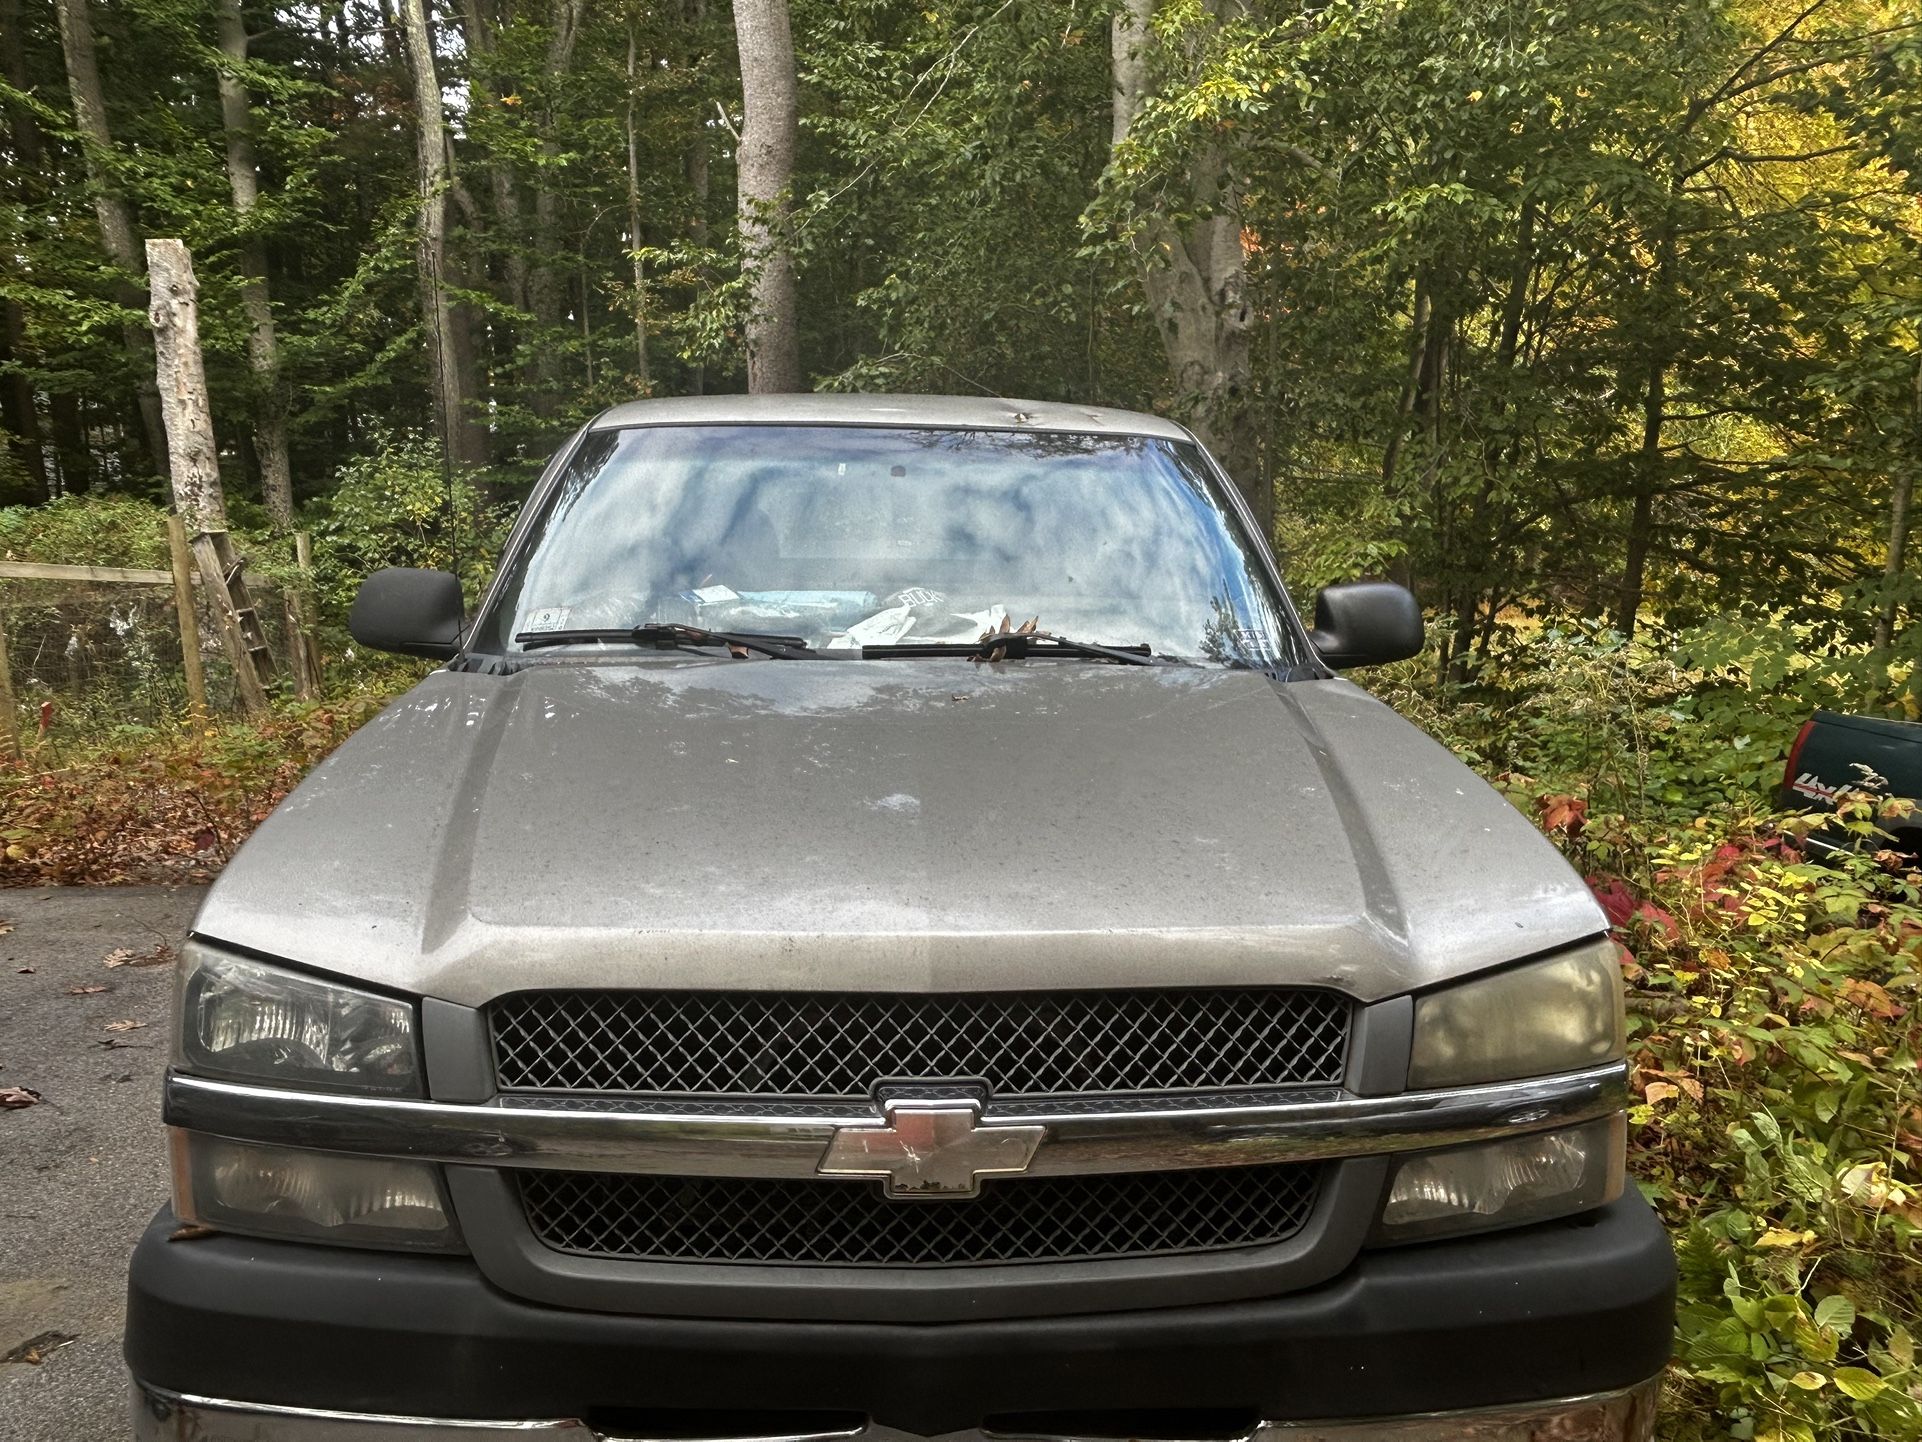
(82, 1169)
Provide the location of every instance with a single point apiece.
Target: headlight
(1549, 1016)
(252, 1022)
(1505, 1183)
(309, 1196)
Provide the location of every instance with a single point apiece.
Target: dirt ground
(83, 1168)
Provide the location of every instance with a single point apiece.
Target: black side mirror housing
(1366, 623)
(409, 612)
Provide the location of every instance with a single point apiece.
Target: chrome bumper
(743, 1141)
(1626, 1416)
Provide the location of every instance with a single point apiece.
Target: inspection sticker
(548, 618)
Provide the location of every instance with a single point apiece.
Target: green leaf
(1835, 1313)
(1858, 1382)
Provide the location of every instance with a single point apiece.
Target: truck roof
(936, 412)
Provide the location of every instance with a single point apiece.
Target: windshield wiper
(1013, 645)
(663, 636)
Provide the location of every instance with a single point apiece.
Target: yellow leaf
(1783, 1237)
(1858, 1382)
(1660, 1092)
(1809, 1381)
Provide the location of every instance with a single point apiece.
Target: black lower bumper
(1563, 1309)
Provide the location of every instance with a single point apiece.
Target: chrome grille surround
(813, 1224)
(840, 1045)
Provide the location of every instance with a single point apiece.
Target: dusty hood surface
(893, 825)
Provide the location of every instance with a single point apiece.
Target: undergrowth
(1773, 1034)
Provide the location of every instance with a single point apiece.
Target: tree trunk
(1648, 459)
(634, 217)
(547, 288)
(1195, 278)
(19, 408)
(1899, 504)
(465, 440)
(766, 174)
(481, 25)
(1641, 520)
(263, 347)
(195, 460)
(109, 206)
(1411, 385)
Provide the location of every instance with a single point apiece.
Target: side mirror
(409, 612)
(1364, 623)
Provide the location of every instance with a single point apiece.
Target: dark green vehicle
(1837, 754)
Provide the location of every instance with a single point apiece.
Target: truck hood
(893, 826)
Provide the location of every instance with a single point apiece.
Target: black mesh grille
(851, 1224)
(840, 1045)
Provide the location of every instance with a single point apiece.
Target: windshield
(866, 536)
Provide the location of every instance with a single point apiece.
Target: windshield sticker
(713, 595)
(548, 618)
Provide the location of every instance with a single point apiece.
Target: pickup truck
(1836, 754)
(886, 924)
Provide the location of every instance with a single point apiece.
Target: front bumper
(1581, 1308)
(1622, 1416)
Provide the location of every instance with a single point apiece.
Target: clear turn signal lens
(310, 1196)
(1507, 1183)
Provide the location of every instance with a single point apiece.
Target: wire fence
(107, 653)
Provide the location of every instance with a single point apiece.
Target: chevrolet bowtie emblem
(931, 1149)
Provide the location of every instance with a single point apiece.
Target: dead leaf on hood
(12, 1098)
(128, 1025)
(36, 1350)
(191, 1232)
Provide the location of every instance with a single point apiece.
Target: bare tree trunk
(1899, 504)
(765, 164)
(634, 216)
(195, 459)
(109, 206)
(195, 467)
(263, 347)
(1195, 278)
(465, 440)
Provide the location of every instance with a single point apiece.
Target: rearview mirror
(409, 612)
(1365, 623)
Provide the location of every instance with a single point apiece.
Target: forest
(1595, 322)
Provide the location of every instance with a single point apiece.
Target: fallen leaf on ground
(128, 1025)
(36, 1350)
(15, 1097)
(87, 990)
(5, 926)
(158, 955)
(25, 971)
